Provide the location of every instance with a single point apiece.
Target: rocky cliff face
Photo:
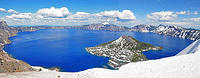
(122, 51)
(174, 31)
(143, 28)
(3, 24)
(5, 32)
(180, 32)
(7, 63)
(106, 27)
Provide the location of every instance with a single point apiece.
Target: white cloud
(182, 13)
(196, 13)
(187, 13)
(177, 23)
(82, 13)
(62, 16)
(53, 12)
(79, 15)
(9, 11)
(3, 10)
(53, 16)
(188, 22)
(162, 16)
(20, 16)
(192, 20)
(195, 19)
(125, 14)
(12, 11)
(171, 18)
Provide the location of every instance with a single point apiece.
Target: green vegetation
(130, 43)
(141, 46)
(138, 57)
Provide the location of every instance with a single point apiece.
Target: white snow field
(183, 66)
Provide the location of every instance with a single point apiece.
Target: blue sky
(169, 12)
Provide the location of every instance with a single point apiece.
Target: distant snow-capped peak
(105, 23)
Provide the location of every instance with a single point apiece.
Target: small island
(124, 50)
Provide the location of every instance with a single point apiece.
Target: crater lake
(65, 48)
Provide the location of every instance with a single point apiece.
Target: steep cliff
(7, 63)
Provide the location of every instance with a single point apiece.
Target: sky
(80, 12)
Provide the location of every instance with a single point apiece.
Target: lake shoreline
(45, 31)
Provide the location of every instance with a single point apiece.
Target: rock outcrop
(105, 27)
(122, 51)
(7, 63)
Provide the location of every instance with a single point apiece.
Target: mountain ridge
(172, 30)
(175, 31)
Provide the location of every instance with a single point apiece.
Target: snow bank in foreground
(185, 66)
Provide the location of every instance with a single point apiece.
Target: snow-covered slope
(175, 31)
(184, 66)
(191, 48)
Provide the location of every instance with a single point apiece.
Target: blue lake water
(66, 48)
